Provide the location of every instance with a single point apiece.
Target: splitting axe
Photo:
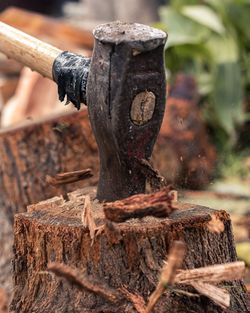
(123, 86)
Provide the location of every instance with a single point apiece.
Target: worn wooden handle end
(37, 55)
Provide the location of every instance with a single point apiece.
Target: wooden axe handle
(37, 55)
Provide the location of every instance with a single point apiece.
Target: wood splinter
(155, 180)
(68, 177)
(175, 259)
(212, 274)
(61, 179)
(87, 218)
(84, 282)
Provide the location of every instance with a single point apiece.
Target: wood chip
(157, 204)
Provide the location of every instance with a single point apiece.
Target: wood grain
(35, 54)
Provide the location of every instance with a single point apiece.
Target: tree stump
(130, 256)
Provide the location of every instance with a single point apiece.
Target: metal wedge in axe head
(123, 85)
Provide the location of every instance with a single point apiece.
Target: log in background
(29, 153)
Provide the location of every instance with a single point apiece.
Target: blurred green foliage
(210, 39)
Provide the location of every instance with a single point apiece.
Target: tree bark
(129, 255)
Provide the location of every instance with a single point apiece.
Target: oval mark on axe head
(142, 108)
